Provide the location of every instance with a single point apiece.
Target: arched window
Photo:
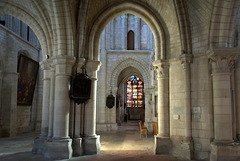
(134, 92)
(130, 40)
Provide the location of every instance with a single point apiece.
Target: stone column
(61, 145)
(186, 60)
(221, 147)
(39, 141)
(46, 101)
(162, 140)
(222, 97)
(51, 106)
(91, 141)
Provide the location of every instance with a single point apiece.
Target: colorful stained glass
(134, 92)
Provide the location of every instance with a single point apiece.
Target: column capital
(222, 60)
(186, 59)
(93, 65)
(80, 63)
(45, 65)
(162, 68)
(63, 64)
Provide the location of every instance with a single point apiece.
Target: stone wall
(16, 119)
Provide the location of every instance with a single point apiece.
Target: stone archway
(154, 22)
(156, 25)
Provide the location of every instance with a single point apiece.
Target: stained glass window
(134, 92)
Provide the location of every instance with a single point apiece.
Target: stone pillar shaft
(90, 111)
(222, 96)
(222, 108)
(162, 140)
(45, 105)
(63, 67)
(163, 112)
(51, 107)
(91, 141)
(186, 60)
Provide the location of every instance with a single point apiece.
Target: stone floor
(123, 145)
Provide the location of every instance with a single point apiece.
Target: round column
(51, 107)
(91, 141)
(163, 102)
(186, 60)
(46, 93)
(63, 69)
(162, 140)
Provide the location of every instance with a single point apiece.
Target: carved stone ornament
(222, 63)
(162, 69)
(186, 59)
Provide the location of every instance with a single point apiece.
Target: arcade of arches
(173, 62)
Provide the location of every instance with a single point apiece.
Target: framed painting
(28, 71)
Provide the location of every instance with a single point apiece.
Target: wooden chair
(155, 128)
(143, 130)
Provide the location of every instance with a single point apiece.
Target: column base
(223, 152)
(91, 145)
(182, 147)
(58, 149)
(162, 145)
(187, 148)
(77, 147)
(38, 145)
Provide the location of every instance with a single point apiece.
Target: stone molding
(162, 68)
(186, 59)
